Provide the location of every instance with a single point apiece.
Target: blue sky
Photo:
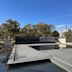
(57, 12)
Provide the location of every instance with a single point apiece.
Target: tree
(68, 34)
(55, 34)
(27, 30)
(40, 29)
(43, 29)
(3, 31)
(52, 27)
(12, 26)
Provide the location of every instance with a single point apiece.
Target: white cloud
(59, 26)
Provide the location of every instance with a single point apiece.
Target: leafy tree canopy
(12, 26)
(55, 34)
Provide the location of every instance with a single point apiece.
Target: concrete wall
(62, 40)
(48, 39)
(65, 40)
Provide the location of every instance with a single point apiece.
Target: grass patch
(1, 42)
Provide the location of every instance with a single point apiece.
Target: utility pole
(66, 26)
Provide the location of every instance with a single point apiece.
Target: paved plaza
(23, 53)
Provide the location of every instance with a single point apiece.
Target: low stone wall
(26, 40)
(29, 40)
